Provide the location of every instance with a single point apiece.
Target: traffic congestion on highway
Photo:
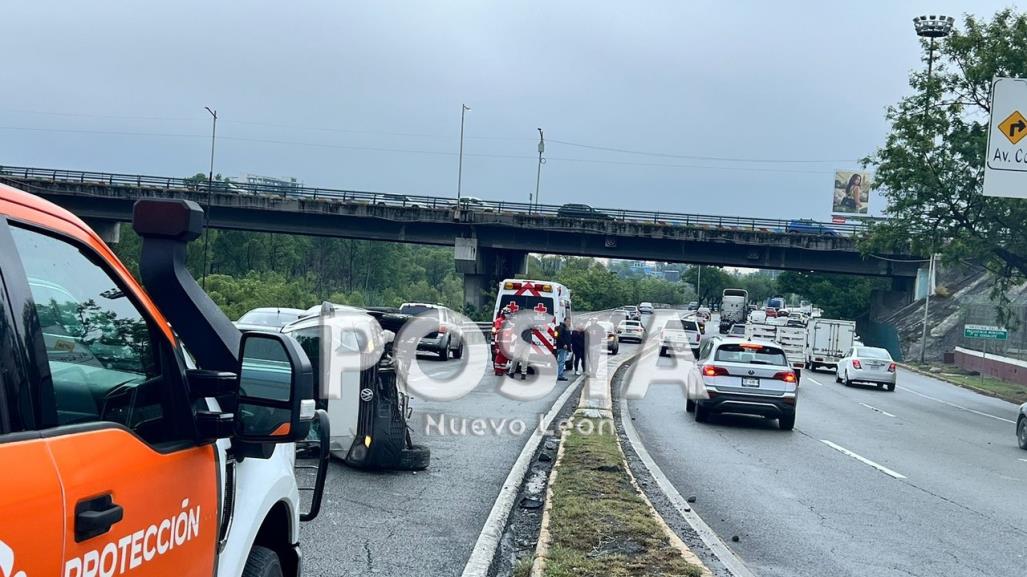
(680, 290)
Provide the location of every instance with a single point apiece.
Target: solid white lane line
(1024, 460)
(734, 565)
(961, 407)
(883, 412)
(488, 540)
(863, 460)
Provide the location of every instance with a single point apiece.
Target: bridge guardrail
(169, 184)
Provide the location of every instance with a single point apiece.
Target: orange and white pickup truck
(140, 432)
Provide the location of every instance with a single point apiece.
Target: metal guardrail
(469, 204)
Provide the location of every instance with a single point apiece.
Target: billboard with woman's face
(851, 192)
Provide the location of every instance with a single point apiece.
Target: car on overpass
(809, 226)
(740, 376)
(583, 211)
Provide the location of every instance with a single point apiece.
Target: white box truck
(827, 341)
(792, 340)
(732, 308)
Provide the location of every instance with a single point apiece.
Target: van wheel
(262, 562)
(459, 351)
(444, 353)
(414, 458)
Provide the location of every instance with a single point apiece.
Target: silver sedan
(867, 365)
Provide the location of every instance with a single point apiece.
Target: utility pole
(538, 175)
(210, 184)
(460, 167)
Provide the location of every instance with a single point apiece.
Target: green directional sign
(985, 332)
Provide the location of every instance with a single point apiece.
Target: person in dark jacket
(578, 349)
(563, 348)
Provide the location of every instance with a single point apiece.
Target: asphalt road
(425, 523)
(945, 492)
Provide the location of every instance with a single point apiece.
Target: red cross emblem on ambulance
(541, 308)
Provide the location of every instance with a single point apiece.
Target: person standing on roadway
(563, 347)
(578, 349)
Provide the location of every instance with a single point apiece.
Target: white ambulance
(540, 298)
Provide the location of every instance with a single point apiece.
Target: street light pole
(538, 175)
(460, 164)
(929, 27)
(210, 184)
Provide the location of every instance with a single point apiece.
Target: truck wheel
(262, 562)
(414, 458)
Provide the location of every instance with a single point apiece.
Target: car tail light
(856, 364)
(443, 329)
(891, 368)
(714, 371)
(786, 376)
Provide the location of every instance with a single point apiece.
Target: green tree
(930, 167)
(840, 296)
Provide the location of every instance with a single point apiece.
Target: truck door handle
(95, 516)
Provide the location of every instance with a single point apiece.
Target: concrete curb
(941, 377)
(480, 560)
(538, 563)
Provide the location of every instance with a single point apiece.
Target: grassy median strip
(599, 525)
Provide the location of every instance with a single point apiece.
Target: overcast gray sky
(367, 95)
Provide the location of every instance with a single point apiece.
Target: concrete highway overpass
(492, 239)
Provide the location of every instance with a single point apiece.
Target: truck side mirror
(276, 390)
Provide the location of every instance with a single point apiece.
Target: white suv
(741, 376)
(645, 308)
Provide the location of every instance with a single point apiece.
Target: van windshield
(527, 303)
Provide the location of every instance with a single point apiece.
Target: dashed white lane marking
(814, 381)
(961, 407)
(883, 412)
(863, 460)
(1024, 460)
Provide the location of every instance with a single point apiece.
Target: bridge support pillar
(483, 268)
(108, 230)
